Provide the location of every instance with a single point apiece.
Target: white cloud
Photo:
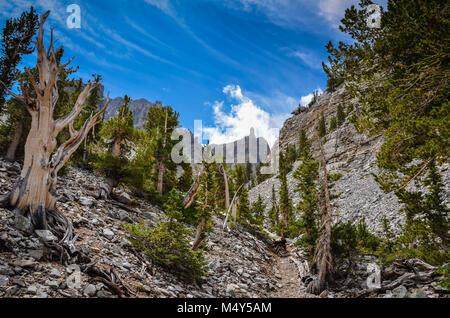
(333, 10)
(305, 100)
(242, 117)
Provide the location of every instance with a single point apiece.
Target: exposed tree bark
(34, 194)
(201, 226)
(12, 149)
(198, 234)
(232, 206)
(190, 195)
(323, 256)
(227, 188)
(160, 186)
(111, 181)
(161, 166)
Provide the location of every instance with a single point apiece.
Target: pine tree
(322, 129)
(205, 197)
(274, 212)
(244, 215)
(93, 102)
(286, 208)
(340, 116)
(257, 209)
(333, 123)
(160, 123)
(303, 145)
(114, 149)
(186, 178)
(307, 176)
(16, 41)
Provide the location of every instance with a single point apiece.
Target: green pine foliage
(168, 244)
(290, 157)
(93, 102)
(349, 240)
(160, 123)
(308, 207)
(340, 115)
(425, 234)
(274, 215)
(399, 73)
(258, 208)
(333, 123)
(286, 226)
(16, 42)
(186, 178)
(322, 128)
(118, 130)
(244, 215)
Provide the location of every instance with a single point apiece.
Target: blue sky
(231, 63)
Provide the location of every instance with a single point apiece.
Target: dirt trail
(292, 286)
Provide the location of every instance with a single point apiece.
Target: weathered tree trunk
(190, 195)
(110, 182)
(115, 151)
(161, 166)
(201, 226)
(323, 256)
(160, 185)
(198, 234)
(232, 207)
(34, 194)
(227, 188)
(12, 149)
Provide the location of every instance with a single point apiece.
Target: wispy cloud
(166, 7)
(297, 13)
(307, 58)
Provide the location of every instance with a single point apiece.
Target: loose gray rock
(108, 233)
(90, 290)
(55, 273)
(399, 292)
(86, 201)
(32, 289)
(46, 235)
(53, 284)
(4, 280)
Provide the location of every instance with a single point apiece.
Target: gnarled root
(4, 200)
(110, 278)
(61, 248)
(105, 188)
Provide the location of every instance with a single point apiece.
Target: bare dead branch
(61, 123)
(33, 82)
(64, 151)
(18, 97)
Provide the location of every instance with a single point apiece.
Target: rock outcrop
(349, 153)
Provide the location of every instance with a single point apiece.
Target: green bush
(445, 272)
(168, 246)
